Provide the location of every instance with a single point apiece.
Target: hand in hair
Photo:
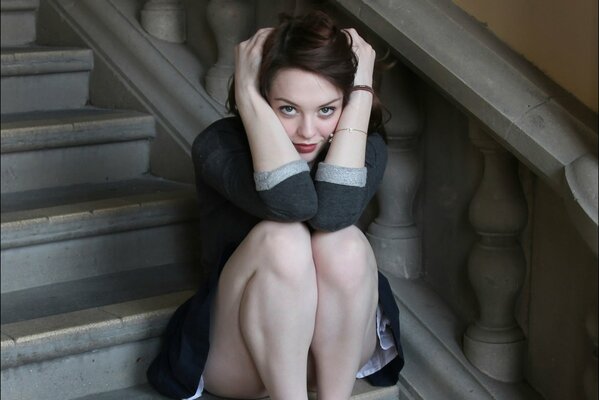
(366, 57)
(248, 57)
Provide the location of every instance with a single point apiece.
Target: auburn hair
(315, 44)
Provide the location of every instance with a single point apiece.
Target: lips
(304, 148)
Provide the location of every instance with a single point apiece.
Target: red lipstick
(304, 148)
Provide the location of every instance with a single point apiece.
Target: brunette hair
(315, 44)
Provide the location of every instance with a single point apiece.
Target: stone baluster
(165, 20)
(232, 21)
(394, 236)
(496, 266)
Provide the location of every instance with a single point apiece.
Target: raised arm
(270, 146)
(348, 147)
(355, 162)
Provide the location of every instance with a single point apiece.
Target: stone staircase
(96, 252)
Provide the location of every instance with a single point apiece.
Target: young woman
(295, 300)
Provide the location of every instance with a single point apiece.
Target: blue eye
(288, 110)
(327, 111)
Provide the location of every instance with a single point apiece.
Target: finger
(353, 34)
(355, 40)
(260, 35)
(253, 46)
(347, 33)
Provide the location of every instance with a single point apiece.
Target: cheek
(328, 126)
(289, 126)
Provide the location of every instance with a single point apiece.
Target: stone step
(78, 353)
(76, 127)
(57, 235)
(68, 147)
(99, 353)
(362, 391)
(67, 297)
(44, 78)
(18, 22)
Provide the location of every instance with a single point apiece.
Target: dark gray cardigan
(233, 199)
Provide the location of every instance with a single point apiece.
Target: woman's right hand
(248, 57)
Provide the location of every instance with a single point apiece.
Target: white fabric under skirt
(383, 354)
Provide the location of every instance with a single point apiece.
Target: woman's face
(309, 108)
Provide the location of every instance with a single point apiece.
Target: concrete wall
(563, 297)
(558, 36)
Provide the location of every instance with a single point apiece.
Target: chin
(308, 157)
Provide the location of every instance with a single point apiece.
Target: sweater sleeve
(222, 159)
(343, 193)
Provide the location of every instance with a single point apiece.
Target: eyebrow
(284, 100)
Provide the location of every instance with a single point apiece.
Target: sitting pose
(295, 301)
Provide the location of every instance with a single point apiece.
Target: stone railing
(513, 124)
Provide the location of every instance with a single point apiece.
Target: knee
(285, 249)
(344, 259)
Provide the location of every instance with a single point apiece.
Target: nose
(307, 128)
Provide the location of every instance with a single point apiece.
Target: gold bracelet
(346, 129)
(351, 130)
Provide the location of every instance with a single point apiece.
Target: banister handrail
(533, 118)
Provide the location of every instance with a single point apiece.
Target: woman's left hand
(366, 56)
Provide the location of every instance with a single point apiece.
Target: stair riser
(70, 377)
(44, 92)
(63, 261)
(74, 165)
(17, 28)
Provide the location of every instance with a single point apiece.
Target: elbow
(298, 212)
(293, 210)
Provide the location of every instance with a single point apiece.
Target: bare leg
(264, 316)
(345, 334)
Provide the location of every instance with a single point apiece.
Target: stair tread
(43, 201)
(88, 329)
(51, 214)
(19, 5)
(84, 126)
(64, 297)
(362, 391)
(31, 60)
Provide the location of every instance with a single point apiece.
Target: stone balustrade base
(398, 252)
(436, 367)
(499, 360)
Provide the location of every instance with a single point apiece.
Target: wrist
(366, 88)
(360, 99)
(254, 106)
(364, 77)
(247, 95)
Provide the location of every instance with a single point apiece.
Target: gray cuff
(269, 179)
(341, 175)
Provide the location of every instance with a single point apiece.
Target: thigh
(345, 263)
(230, 370)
